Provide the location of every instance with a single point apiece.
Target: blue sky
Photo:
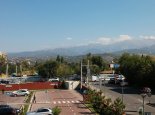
(28, 25)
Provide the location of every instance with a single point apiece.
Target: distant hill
(145, 50)
(118, 48)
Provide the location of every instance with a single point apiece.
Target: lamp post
(143, 96)
(88, 73)
(122, 84)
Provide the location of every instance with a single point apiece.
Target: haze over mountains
(146, 46)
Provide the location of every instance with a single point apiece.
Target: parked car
(21, 92)
(54, 79)
(124, 83)
(8, 110)
(146, 90)
(41, 111)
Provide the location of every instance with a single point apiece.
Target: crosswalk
(54, 102)
(65, 102)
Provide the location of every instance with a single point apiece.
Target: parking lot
(70, 101)
(10, 100)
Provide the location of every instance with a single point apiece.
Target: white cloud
(106, 41)
(69, 38)
(123, 38)
(148, 37)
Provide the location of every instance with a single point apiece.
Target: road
(69, 101)
(131, 98)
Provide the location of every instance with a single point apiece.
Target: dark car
(113, 81)
(146, 90)
(8, 110)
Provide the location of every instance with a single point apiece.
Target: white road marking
(77, 102)
(72, 101)
(59, 102)
(63, 102)
(68, 101)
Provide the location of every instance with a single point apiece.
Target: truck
(95, 78)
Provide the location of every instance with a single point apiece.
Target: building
(3, 55)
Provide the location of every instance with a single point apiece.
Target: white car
(41, 111)
(21, 92)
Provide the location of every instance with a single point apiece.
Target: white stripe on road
(77, 102)
(68, 101)
(63, 102)
(59, 102)
(72, 101)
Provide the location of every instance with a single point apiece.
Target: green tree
(56, 110)
(118, 106)
(136, 68)
(48, 69)
(64, 70)
(2, 64)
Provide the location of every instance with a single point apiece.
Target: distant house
(107, 72)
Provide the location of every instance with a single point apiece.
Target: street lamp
(143, 96)
(122, 84)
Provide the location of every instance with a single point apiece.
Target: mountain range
(131, 46)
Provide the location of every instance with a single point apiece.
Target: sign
(116, 65)
(111, 65)
(8, 86)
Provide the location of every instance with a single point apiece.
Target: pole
(100, 83)
(81, 75)
(143, 96)
(88, 72)
(16, 70)
(143, 105)
(7, 69)
(122, 93)
(21, 70)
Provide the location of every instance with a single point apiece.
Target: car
(8, 110)
(111, 81)
(146, 90)
(120, 77)
(21, 92)
(41, 111)
(124, 83)
(54, 79)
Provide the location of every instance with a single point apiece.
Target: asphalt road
(131, 97)
(69, 101)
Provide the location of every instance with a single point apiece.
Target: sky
(29, 25)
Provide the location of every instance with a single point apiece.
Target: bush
(56, 110)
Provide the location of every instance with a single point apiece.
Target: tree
(2, 64)
(48, 69)
(137, 69)
(118, 106)
(56, 110)
(64, 70)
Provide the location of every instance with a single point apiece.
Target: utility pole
(81, 76)
(16, 70)
(7, 67)
(21, 70)
(88, 72)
